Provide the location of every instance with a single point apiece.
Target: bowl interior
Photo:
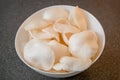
(22, 36)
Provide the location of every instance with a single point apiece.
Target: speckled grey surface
(14, 12)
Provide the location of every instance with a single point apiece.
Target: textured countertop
(14, 12)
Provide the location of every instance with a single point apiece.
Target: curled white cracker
(66, 37)
(38, 34)
(39, 55)
(77, 18)
(65, 28)
(58, 67)
(83, 45)
(54, 14)
(60, 50)
(72, 64)
(36, 24)
(52, 32)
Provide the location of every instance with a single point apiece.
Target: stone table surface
(14, 12)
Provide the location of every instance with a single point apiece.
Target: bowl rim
(57, 73)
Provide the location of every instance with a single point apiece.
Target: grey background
(14, 12)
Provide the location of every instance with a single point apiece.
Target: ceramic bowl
(22, 38)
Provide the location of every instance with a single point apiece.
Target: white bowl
(22, 38)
